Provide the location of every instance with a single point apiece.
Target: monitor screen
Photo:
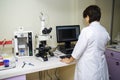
(67, 33)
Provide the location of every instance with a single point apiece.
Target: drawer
(112, 54)
(114, 69)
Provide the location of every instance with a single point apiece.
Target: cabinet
(113, 60)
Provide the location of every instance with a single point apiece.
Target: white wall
(82, 4)
(15, 13)
(106, 10)
(116, 19)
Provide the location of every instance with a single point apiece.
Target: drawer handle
(112, 54)
(117, 63)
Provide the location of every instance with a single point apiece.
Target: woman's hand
(67, 60)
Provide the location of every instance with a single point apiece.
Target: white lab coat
(89, 53)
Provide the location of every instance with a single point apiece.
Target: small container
(22, 52)
(6, 63)
(1, 61)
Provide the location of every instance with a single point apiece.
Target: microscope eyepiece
(46, 31)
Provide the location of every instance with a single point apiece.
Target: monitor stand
(67, 45)
(67, 48)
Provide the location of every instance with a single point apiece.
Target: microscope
(43, 49)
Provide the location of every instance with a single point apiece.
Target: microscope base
(42, 57)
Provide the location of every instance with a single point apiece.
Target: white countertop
(53, 62)
(114, 47)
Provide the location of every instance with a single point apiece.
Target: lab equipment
(6, 62)
(30, 64)
(24, 63)
(4, 43)
(67, 34)
(42, 38)
(1, 61)
(23, 44)
(44, 30)
(65, 56)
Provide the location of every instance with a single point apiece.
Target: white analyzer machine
(23, 44)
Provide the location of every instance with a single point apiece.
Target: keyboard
(65, 56)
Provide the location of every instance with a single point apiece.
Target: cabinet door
(114, 69)
(113, 54)
(113, 61)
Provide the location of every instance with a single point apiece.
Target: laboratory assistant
(89, 53)
(90, 47)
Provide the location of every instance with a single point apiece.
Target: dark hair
(93, 12)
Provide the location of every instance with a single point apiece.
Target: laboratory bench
(113, 59)
(26, 65)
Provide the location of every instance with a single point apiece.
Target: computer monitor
(67, 34)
